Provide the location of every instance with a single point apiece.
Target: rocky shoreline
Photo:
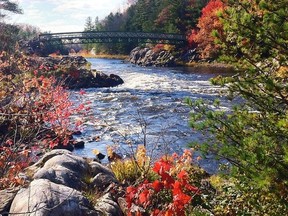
(75, 72)
(148, 57)
(62, 183)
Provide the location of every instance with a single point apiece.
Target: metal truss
(110, 37)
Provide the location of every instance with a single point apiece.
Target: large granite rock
(76, 74)
(107, 206)
(65, 169)
(73, 72)
(45, 198)
(58, 180)
(149, 57)
(6, 198)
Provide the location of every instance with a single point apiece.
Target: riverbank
(148, 57)
(104, 56)
(213, 67)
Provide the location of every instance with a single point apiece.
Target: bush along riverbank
(61, 183)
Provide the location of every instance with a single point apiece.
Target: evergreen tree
(253, 137)
(89, 24)
(8, 6)
(8, 32)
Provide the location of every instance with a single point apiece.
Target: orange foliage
(208, 22)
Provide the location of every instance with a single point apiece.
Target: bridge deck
(111, 37)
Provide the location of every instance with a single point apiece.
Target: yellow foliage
(131, 169)
(282, 72)
(168, 47)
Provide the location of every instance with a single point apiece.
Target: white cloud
(64, 15)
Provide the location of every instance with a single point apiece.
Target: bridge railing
(109, 36)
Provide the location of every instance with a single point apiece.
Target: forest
(165, 16)
(250, 35)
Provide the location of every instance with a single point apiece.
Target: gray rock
(66, 169)
(108, 206)
(96, 168)
(101, 181)
(148, 57)
(6, 198)
(50, 155)
(70, 161)
(45, 198)
(35, 167)
(61, 175)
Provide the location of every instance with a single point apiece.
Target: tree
(8, 32)
(209, 26)
(8, 6)
(89, 24)
(28, 32)
(253, 137)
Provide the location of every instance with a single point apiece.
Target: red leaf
(157, 186)
(144, 197)
(192, 188)
(183, 175)
(162, 166)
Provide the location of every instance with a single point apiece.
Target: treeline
(168, 16)
(11, 34)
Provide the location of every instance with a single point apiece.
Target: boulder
(149, 57)
(96, 168)
(6, 198)
(45, 198)
(65, 169)
(71, 71)
(101, 181)
(48, 156)
(56, 181)
(108, 206)
(68, 147)
(79, 145)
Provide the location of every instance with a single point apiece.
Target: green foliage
(8, 6)
(168, 16)
(8, 32)
(234, 198)
(253, 136)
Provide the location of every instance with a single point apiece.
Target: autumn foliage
(35, 115)
(208, 27)
(169, 194)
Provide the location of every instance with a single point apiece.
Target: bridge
(110, 37)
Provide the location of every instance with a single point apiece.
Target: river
(148, 108)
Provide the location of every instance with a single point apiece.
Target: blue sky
(64, 15)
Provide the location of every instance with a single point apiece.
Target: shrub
(132, 169)
(171, 193)
(35, 115)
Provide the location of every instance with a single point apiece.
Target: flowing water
(148, 108)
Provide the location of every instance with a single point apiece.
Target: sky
(63, 15)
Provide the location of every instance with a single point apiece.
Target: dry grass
(205, 67)
(106, 56)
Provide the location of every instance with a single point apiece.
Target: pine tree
(253, 137)
(89, 24)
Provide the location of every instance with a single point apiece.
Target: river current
(148, 108)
